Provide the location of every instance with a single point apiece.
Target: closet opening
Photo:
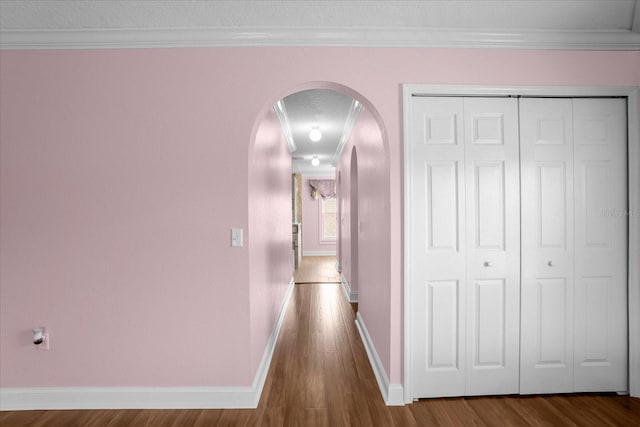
(520, 240)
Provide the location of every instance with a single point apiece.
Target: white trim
(391, 393)
(265, 363)
(354, 112)
(635, 27)
(45, 398)
(352, 296)
(281, 113)
(319, 36)
(49, 398)
(634, 201)
(633, 106)
(319, 253)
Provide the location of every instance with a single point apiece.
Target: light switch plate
(236, 237)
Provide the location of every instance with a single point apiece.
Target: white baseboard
(352, 296)
(41, 398)
(393, 394)
(263, 369)
(319, 253)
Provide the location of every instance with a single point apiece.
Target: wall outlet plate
(46, 345)
(236, 237)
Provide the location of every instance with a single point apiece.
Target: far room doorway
(316, 124)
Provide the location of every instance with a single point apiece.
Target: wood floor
(317, 269)
(320, 376)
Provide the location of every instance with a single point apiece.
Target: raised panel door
(547, 279)
(601, 234)
(438, 247)
(492, 245)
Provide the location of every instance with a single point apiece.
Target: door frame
(633, 151)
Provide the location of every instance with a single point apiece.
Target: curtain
(323, 188)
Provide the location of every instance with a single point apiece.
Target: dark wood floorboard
(320, 376)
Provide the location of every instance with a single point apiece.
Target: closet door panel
(553, 325)
(492, 245)
(438, 247)
(546, 167)
(601, 245)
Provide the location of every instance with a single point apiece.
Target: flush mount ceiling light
(315, 135)
(315, 161)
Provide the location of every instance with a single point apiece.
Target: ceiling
(547, 24)
(577, 24)
(494, 14)
(330, 112)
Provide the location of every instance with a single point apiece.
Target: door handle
(488, 264)
(550, 264)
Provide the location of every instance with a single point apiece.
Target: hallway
(317, 269)
(320, 376)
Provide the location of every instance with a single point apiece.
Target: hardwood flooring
(320, 376)
(317, 269)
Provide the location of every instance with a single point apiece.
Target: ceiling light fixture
(315, 135)
(315, 161)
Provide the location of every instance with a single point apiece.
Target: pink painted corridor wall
(372, 227)
(123, 171)
(270, 252)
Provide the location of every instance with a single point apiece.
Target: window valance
(323, 188)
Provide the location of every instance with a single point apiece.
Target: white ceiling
(576, 24)
(500, 14)
(548, 24)
(326, 110)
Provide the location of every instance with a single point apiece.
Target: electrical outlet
(41, 335)
(46, 345)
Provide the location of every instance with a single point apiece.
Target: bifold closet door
(601, 245)
(574, 245)
(546, 173)
(465, 246)
(492, 245)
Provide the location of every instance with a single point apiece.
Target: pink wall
(373, 232)
(122, 172)
(271, 254)
(311, 244)
(115, 222)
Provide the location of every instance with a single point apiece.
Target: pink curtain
(325, 188)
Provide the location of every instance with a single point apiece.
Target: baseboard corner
(393, 394)
(352, 296)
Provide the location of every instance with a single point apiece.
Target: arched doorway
(378, 308)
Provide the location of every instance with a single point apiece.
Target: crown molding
(354, 112)
(281, 113)
(319, 36)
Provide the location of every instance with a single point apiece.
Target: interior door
(546, 146)
(601, 234)
(492, 245)
(574, 245)
(438, 246)
(465, 279)
(519, 246)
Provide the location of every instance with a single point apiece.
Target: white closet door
(547, 281)
(600, 162)
(438, 246)
(492, 245)
(465, 247)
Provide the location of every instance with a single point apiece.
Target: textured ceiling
(501, 14)
(325, 109)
